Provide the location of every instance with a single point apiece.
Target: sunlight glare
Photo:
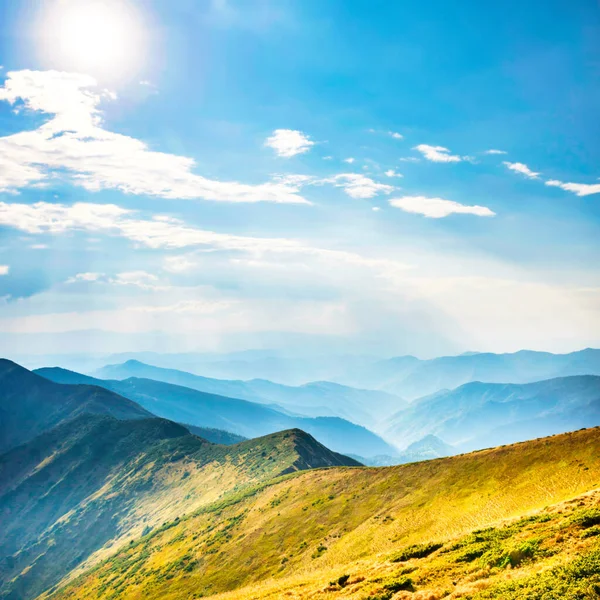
(104, 38)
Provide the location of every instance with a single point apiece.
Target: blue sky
(389, 177)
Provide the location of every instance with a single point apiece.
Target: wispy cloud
(493, 151)
(289, 142)
(437, 208)
(437, 154)
(392, 173)
(349, 160)
(359, 186)
(4, 269)
(396, 135)
(580, 189)
(85, 277)
(521, 168)
(74, 145)
(140, 279)
(165, 233)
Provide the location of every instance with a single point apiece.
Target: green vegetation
(398, 532)
(94, 484)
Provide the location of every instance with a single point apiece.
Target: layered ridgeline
(30, 404)
(382, 533)
(412, 378)
(94, 482)
(242, 417)
(319, 398)
(480, 415)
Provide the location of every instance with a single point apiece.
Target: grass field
(301, 535)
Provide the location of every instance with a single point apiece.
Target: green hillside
(30, 404)
(300, 536)
(95, 482)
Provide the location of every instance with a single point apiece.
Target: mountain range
(480, 415)
(241, 417)
(412, 378)
(94, 481)
(320, 398)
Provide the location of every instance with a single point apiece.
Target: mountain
(31, 404)
(412, 378)
(478, 415)
(322, 398)
(242, 417)
(479, 525)
(93, 482)
(426, 448)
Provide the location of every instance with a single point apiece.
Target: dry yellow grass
(291, 537)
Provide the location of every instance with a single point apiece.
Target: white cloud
(86, 277)
(580, 189)
(359, 186)
(376, 209)
(141, 279)
(4, 269)
(437, 208)
(392, 173)
(493, 151)
(395, 135)
(409, 159)
(163, 232)
(521, 168)
(73, 144)
(327, 157)
(437, 153)
(349, 160)
(289, 142)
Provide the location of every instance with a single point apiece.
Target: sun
(103, 38)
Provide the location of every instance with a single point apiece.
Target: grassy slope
(90, 485)
(310, 528)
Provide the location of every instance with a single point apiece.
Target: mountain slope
(412, 378)
(242, 417)
(320, 398)
(299, 536)
(31, 404)
(58, 375)
(95, 481)
(478, 415)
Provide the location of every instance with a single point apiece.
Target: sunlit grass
(301, 534)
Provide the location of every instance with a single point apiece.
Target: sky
(354, 176)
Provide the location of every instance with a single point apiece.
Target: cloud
(492, 151)
(395, 135)
(85, 277)
(437, 208)
(521, 168)
(437, 153)
(392, 173)
(4, 269)
(74, 145)
(349, 160)
(289, 142)
(409, 159)
(166, 233)
(359, 186)
(140, 279)
(580, 189)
